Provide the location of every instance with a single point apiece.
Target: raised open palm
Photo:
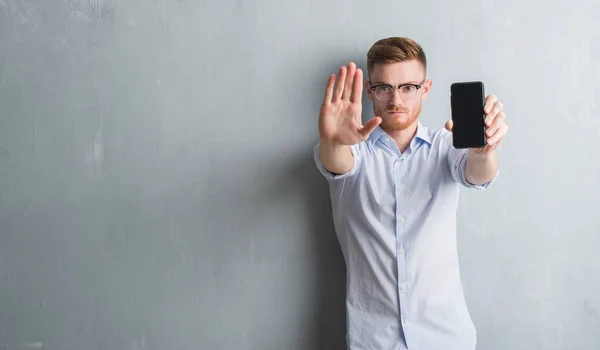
(340, 116)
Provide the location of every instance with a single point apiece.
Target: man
(394, 186)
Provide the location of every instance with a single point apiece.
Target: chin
(395, 127)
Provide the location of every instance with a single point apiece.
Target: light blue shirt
(395, 218)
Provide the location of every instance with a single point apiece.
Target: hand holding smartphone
(467, 100)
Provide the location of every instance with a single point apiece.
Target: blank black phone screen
(467, 102)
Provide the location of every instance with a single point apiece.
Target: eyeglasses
(385, 92)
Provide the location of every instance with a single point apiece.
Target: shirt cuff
(462, 168)
(332, 176)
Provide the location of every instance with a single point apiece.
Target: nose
(396, 99)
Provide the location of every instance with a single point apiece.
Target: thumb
(369, 126)
(449, 125)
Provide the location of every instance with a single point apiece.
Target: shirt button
(404, 287)
(405, 321)
(400, 189)
(387, 140)
(401, 219)
(402, 251)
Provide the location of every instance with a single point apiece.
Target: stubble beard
(391, 123)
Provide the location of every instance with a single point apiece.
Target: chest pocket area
(410, 196)
(419, 198)
(386, 202)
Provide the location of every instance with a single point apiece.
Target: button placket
(401, 220)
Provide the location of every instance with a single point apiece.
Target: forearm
(481, 168)
(337, 159)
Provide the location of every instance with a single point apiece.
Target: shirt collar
(422, 133)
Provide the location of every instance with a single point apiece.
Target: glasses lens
(383, 93)
(408, 91)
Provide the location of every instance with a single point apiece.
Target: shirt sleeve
(457, 161)
(332, 177)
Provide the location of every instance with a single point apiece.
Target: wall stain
(590, 310)
(88, 11)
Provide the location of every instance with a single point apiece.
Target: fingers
(329, 89)
(489, 103)
(493, 113)
(357, 87)
(369, 126)
(495, 122)
(498, 122)
(498, 130)
(498, 135)
(348, 84)
(339, 89)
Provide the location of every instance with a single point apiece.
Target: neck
(404, 137)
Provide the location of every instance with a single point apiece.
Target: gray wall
(157, 189)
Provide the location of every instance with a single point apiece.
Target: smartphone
(467, 100)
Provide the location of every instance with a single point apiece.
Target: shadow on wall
(313, 188)
(294, 188)
(298, 180)
(330, 272)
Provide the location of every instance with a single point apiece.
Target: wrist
(331, 144)
(479, 155)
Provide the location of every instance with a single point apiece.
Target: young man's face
(400, 108)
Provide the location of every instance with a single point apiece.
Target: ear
(369, 91)
(426, 87)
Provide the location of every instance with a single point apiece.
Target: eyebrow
(384, 83)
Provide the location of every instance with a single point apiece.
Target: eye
(384, 88)
(408, 88)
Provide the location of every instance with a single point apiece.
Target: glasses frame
(398, 87)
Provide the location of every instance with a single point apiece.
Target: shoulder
(439, 138)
